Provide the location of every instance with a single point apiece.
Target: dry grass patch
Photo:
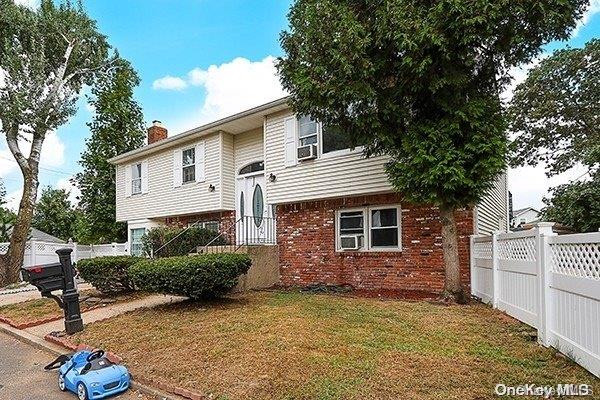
(287, 345)
(42, 308)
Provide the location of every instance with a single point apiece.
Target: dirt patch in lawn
(284, 345)
(41, 309)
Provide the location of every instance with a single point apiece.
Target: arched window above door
(254, 167)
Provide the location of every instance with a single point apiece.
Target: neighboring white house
(524, 216)
(337, 218)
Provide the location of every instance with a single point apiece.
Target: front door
(252, 212)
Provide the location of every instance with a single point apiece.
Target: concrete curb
(56, 350)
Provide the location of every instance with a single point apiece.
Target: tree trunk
(453, 289)
(12, 261)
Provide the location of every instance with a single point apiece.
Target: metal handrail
(228, 230)
(174, 238)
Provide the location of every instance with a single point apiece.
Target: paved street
(22, 375)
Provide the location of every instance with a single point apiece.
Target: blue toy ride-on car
(90, 375)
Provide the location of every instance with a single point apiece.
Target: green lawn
(288, 345)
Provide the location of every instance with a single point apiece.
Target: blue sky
(203, 59)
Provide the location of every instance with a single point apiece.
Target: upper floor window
(308, 131)
(334, 139)
(188, 163)
(136, 178)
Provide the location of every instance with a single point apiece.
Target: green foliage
(110, 274)
(556, 111)
(7, 217)
(575, 204)
(117, 127)
(197, 277)
(420, 80)
(54, 214)
(47, 54)
(193, 237)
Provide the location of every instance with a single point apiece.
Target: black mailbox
(58, 276)
(46, 278)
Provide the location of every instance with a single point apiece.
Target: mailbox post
(50, 277)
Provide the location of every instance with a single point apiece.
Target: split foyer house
(269, 177)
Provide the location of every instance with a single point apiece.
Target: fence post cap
(544, 227)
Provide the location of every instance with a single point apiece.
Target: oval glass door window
(258, 205)
(242, 205)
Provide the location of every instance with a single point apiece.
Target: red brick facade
(306, 238)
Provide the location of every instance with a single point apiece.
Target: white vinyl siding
(166, 198)
(248, 148)
(228, 170)
(345, 175)
(491, 214)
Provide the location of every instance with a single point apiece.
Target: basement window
(374, 228)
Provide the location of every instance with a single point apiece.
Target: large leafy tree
(555, 112)
(54, 214)
(575, 204)
(46, 56)
(117, 127)
(420, 82)
(555, 115)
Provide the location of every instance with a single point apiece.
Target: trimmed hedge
(108, 274)
(183, 245)
(197, 277)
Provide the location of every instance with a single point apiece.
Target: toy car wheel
(82, 391)
(61, 383)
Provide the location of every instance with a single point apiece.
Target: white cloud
(169, 83)
(73, 190)
(13, 199)
(230, 88)
(592, 10)
(28, 3)
(238, 85)
(530, 184)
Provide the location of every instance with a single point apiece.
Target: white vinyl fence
(37, 252)
(547, 281)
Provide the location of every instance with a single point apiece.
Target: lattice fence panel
(517, 249)
(482, 250)
(576, 259)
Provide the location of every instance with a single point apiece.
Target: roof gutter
(199, 131)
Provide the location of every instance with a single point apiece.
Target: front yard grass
(289, 345)
(42, 308)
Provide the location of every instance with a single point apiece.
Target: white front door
(253, 225)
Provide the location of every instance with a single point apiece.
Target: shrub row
(108, 274)
(197, 277)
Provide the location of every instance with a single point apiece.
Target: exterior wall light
(272, 177)
(211, 188)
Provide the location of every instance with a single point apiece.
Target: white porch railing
(547, 281)
(38, 252)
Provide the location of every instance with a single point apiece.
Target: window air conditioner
(351, 242)
(307, 152)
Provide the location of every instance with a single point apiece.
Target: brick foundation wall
(306, 238)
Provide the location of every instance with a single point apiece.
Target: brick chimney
(156, 132)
